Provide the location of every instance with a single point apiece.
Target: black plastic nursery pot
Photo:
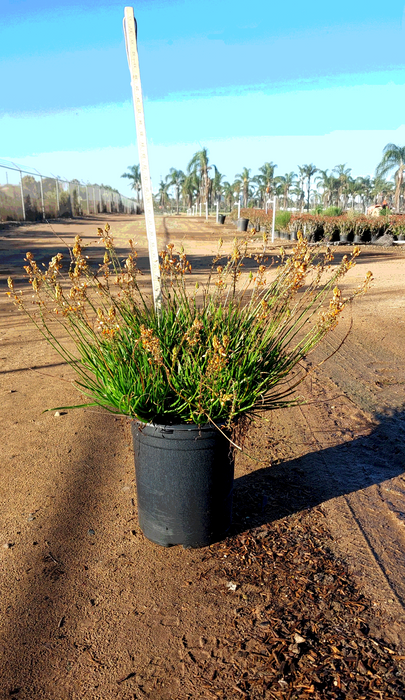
(184, 480)
(242, 224)
(221, 218)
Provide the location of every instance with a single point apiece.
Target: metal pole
(217, 208)
(130, 33)
(57, 196)
(274, 219)
(42, 197)
(72, 211)
(206, 210)
(22, 196)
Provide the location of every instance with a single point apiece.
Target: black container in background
(184, 480)
(221, 218)
(242, 224)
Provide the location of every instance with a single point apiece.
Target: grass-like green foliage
(282, 220)
(212, 353)
(332, 211)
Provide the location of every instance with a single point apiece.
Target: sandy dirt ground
(89, 608)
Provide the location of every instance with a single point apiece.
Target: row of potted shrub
(354, 228)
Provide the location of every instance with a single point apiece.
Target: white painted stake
(217, 208)
(133, 63)
(274, 219)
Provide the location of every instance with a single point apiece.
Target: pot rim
(178, 427)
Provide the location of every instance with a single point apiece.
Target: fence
(26, 195)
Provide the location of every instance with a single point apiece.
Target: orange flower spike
(77, 248)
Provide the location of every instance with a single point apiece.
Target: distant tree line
(308, 188)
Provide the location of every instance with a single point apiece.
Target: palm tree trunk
(398, 187)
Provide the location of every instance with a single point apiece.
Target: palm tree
(190, 188)
(285, 183)
(244, 179)
(135, 176)
(260, 191)
(365, 186)
(393, 157)
(227, 191)
(306, 172)
(329, 185)
(354, 188)
(199, 164)
(176, 178)
(217, 184)
(381, 187)
(162, 193)
(299, 188)
(343, 178)
(266, 177)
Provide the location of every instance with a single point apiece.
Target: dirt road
(89, 608)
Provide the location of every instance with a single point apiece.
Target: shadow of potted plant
(189, 373)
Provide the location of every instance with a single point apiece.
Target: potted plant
(242, 224)
(189, 372)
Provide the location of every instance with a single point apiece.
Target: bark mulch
(301, 629)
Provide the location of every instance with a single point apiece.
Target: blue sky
(289, 83)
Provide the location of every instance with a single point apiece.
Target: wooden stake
(130, 35)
